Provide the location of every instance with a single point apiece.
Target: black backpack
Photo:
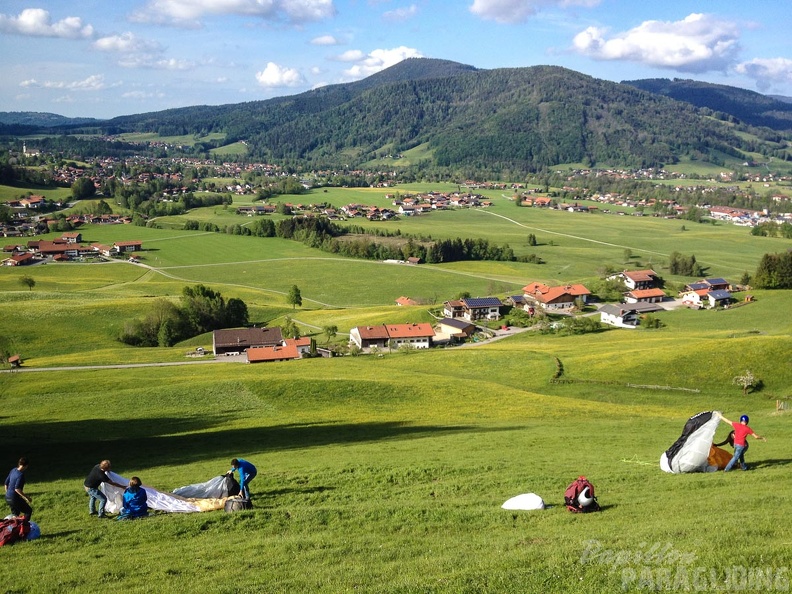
(572, 494)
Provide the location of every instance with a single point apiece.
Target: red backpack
(13, 529)
(579, 496)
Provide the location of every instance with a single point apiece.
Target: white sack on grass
(526, 501)
(157, 500)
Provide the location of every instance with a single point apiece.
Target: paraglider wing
(689, 453)
(215, 488)
(157, 500)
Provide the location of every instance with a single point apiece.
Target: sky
(106, 58)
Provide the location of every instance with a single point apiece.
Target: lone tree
(330, 331)
(290, 328)
(745, 381)
(294, 298)
(27, 281)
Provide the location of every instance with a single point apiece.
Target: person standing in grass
(135, 501)
(15, 490)
(247, 472)
(741, 433)
(93, 481)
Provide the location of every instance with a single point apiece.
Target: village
(470, 319)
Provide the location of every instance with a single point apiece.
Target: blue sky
(104, 58)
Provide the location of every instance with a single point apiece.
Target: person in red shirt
(741, 433)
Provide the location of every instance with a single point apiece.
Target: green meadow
(185, 139)
(387, 473)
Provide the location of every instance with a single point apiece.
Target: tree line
(774, 271)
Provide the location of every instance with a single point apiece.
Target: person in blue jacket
(135, 501)
(247, 472)
(15, 495)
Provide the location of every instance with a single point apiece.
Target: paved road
(203, 361)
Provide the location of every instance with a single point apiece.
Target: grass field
(386, 474)
(50, 193)
(185, 140)
(376, 478)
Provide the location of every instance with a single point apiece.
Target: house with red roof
(19, 259)
(128, 246)
(645, 296)
(416, 335)
(263, 354)
(557, 298)
(637, 279)
(406, 301)
(366, 337)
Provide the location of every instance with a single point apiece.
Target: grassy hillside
(386, 474)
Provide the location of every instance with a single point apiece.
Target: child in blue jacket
(135, 501)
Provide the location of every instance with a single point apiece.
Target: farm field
(386, 474)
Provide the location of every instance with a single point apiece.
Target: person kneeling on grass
(135, 499)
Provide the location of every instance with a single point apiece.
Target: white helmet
(584, 499)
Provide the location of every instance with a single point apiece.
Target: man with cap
(741, 433)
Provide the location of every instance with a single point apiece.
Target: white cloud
(153, 62)
(515, 11)
(140, 95)
(350, 56)
(189, 12)
(401, 14)
(325, 40)
(36, 22)
(94, 82)
(279, 76)
(698, 43)
(380, 59)
(126, 43)
(767, 72)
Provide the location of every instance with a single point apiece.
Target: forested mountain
(41, 119)
(747, 106)
(466, 119)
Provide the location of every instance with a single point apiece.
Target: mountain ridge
(469, 119)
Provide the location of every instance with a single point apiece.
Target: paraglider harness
(573, 500)
(13, 529)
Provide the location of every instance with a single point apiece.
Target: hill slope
(748, 106)
(41, 119)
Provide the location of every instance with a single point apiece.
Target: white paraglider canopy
(689, 453)
(157, 500)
